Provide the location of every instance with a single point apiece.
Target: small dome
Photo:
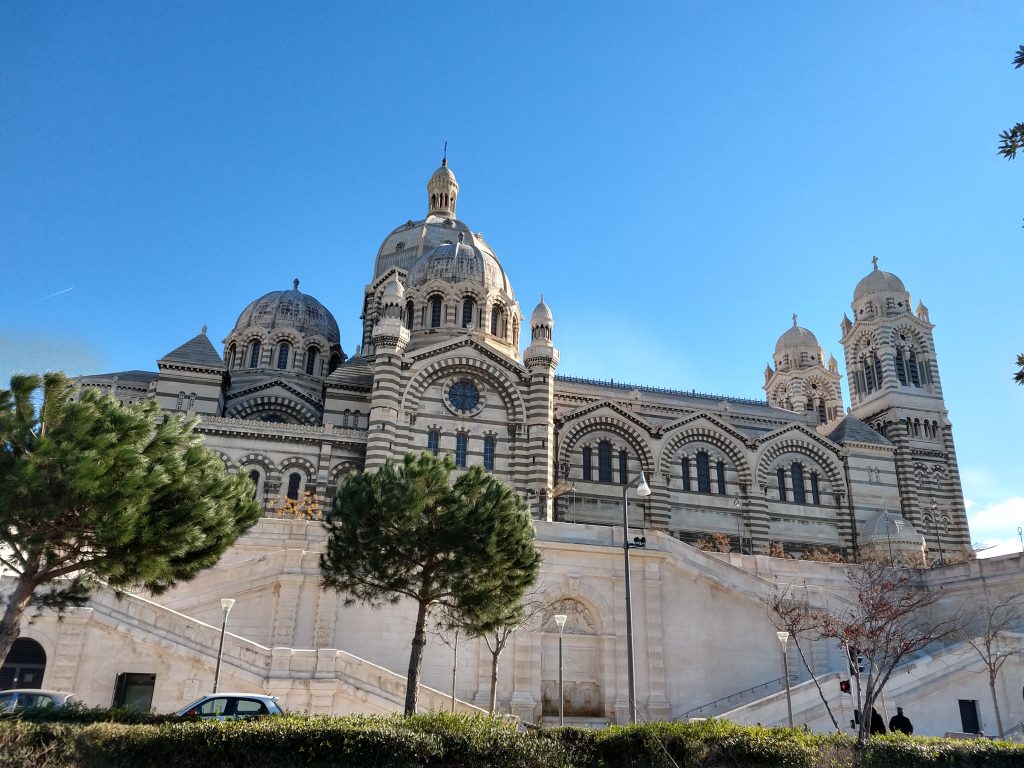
(878, 281)
(442, 175)
(291, 309)
(891, 528)
(456, 262)
(542, 315)
(393, 290)
(796, 338)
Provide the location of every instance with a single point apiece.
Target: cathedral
(448, 362)
(442, 367)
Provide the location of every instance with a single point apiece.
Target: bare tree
(989, 632)
(889, 617)
(790, 613)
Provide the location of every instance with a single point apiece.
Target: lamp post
(226, 605)
(642, 490)
(783, 638)
(560, 621)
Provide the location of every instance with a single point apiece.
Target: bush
(924, 752)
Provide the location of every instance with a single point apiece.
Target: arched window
(720, 476)
(293, 485)
(282, 356)
(623, 467)
(254, 355)
(915, 377)
(435, 312)
(604, 462)
(461, 441)
(408, 314)
(781, 475)
(346, 418)
(935, 429)
(515, 331)
(254, 475)
(703, 473)
(686, 473)
(311, 361)
(191, 400)
(467, 312)
(433, 441)
(495, 314)
(356, 420)
(797, 472)
(334, 362)
(917, 427)
(181, 402)
(587, 464)
(815, 490)
(822, 417)
(231, 356)
(24, 666)
(489, 443)
(869, 374)
(901, 368)
(878, 371)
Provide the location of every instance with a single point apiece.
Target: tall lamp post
(226, 605)
(643, 490)
(560, 621)
(783, 638)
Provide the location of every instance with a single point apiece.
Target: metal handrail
(736, 695)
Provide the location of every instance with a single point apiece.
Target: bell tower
(893, 375)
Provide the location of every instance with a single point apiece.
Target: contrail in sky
(58, 293)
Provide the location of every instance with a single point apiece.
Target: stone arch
(617, 426)
(297, 462)
(259, 459)
(229, 463)
(795, 443)
(251, 407)
(706, 434)
(507, 389)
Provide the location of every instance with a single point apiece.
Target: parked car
(230, 706)
(17, 699)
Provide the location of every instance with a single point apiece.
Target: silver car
(231, 706)
(17, 699)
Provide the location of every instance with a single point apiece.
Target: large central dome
(291, 309)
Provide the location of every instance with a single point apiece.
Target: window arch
(311, 353)
(489, 445)
(294, 480)
(703, 472)
(468, 306)
(604, 462)
(587, 463)
(686, 473)
(433, 441)
(797, 473)
(461, 443)
(435, 312)
(282, 356)
(254, 354)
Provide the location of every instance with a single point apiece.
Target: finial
(794, 319)
(542, 298)
(295, 284)
(204, 328)
(874, 261)
(444, 157)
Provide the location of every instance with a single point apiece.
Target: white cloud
(995, 525)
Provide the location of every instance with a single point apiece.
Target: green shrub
(923, 752)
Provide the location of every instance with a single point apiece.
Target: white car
(231, 706)
(17, 699)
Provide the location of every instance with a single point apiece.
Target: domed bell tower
(800, 380)
(893, 374)
(442, 192)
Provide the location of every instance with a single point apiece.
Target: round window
(464, 396)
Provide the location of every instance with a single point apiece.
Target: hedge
(451, 741)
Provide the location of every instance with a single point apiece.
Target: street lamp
(560, 621)
(642, 490)
(226, 605)
(783, 638)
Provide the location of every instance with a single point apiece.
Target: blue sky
(677, 179)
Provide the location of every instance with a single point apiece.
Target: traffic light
(844, 686)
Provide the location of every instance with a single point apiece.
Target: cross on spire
(794, 319)
(444, 156)
(874, 261)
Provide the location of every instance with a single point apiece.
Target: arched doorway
(581, 663)
(24, 665)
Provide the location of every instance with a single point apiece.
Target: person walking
(877, 724)
(901, 723)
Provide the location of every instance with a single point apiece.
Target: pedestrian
(877, 725)
(901, 723)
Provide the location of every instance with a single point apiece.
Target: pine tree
(92, 491)
(406, 531)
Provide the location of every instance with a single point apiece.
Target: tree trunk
(995, 704)
(495, 656)
(419, 641)
(10, 624)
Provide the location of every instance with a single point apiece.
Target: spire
(794, 319)
(874, 262)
